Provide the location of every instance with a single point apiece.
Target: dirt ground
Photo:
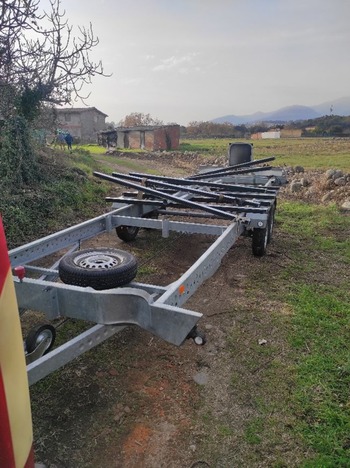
(136, 401)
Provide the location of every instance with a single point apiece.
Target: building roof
(79, 110)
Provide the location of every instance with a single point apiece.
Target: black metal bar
(165, 196)
(161, 205)
(249, 203)
(244, 209)
(247, 196)
(157, 183)
(245, 164)
(230, 171)
(235, 209)
(196, 214)
(258, 196)
(135, 201)
(176, 180)
(192, 214)
(254, 162)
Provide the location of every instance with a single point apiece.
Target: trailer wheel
(127, 233)
(271, 223)
(39, 334)
(101, 269)
(197, 336)
(200, 339)
(259, 241)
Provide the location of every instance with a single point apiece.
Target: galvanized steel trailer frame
(157, 309)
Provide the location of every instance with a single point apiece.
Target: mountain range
(339, 106)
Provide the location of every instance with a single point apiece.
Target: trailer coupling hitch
(197, 336)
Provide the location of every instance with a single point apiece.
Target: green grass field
(311, 153)
(305, 387)
(97, 149)
(319, 294)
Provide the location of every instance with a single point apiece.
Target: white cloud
(175, 62)
(131, 81)
(233, 57)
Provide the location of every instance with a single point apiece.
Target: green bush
(18, 166)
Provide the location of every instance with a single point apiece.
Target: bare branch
(41, 52)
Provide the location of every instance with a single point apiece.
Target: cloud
(131, 81)
(175, 62)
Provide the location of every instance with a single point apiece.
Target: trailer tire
(127, 233)
(259, 241)
(100, 269)
(271, 222)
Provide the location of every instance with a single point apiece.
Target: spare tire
(101, 269)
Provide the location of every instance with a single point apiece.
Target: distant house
(271, 134)
(265, 135)
(291, 133)
(152, 137)
(84, 123)
(283, 133)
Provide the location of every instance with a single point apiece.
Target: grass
(321, 338)
(94, 157)
(93, 149)
(97, 149)
(319, 332)
(65, 195)
(83, 160)
(311, 153)
(299, 382)
(253, 431)
(128, 163)
(318, 378)
(325, 227)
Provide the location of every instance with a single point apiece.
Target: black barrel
(239, 153)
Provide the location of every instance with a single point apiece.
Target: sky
(195, 60)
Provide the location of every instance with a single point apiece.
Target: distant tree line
(326, 126)
(139, 119)
(219, 130)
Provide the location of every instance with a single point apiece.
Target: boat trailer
(96, 285)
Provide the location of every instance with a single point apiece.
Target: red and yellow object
(16, 434)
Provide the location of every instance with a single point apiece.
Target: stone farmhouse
(83, 123)
(150, 137)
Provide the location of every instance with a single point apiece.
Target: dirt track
(136, 401)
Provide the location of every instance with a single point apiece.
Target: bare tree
(139, 119)
(42, 59)
(16, 16)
